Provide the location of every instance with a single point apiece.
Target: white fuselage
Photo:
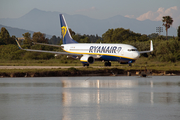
(118, 51)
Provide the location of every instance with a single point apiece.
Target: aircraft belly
(110, 58)
(113, 58)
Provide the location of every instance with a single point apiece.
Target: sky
(98, 9)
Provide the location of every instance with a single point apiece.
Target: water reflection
(90, 98)
(100, 93)
(30, 84)
(99, 83)
(118, 91)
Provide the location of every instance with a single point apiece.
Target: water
(90, 98)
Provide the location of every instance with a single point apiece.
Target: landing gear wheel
(130, 65)
(86, 65)
(107, 63)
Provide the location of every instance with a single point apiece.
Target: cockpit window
(132, 49)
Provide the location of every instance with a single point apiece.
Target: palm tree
(178, 33)
(167, 22)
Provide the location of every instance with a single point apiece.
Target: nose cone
(136, 55)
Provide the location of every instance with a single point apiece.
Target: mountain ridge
(18, 32)
(48, 22)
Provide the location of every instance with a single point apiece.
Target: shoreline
(58, 71)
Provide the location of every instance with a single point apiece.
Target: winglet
(151, 46)
(18, 44)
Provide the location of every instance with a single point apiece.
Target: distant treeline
(164, 50)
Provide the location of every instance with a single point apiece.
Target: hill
(18, 32)
(48, 22)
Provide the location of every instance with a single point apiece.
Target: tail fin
(65, 31)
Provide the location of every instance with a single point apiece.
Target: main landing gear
(107, 63)
(86, 65)
(130, 65)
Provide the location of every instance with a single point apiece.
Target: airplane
(88, 53)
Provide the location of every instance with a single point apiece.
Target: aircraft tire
(107, 63)
(86, 65)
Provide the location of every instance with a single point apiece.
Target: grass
(141, 63)
(71, 69)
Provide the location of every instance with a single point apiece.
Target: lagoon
(90, 98)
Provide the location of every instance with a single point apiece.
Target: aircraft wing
(46, 44)
(44, 51)
(151, 48)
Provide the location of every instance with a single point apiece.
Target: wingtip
(151, 46)
(18, 44)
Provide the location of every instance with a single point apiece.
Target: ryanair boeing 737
(89, 52)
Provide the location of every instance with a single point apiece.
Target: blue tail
(65, 31)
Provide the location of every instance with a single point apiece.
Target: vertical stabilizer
(66, 36)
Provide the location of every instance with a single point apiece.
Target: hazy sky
(99, 9)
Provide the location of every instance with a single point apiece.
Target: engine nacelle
(87, 59)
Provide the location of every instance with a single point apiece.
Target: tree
(153, 35)
(12, 40)
(84, 39)
(107, 36)
(167, 22)
(27, 38)
(39, 37)
(178, 33)
(54, 40)
(72, 32)
(120, 35)
(5, 38)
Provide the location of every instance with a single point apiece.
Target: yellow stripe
(99, 54)
(83, 60)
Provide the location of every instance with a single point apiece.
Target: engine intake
(87, 59)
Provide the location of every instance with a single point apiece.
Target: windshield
(132, 49)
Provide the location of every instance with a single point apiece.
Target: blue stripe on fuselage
(112, 58)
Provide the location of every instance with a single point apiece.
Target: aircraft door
(67, 48)
(122, 52)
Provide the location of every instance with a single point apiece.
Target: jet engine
(87, 59)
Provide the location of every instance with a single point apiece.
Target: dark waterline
(90, 98)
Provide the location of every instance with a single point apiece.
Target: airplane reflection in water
(99, 84)
(117, 92)
(101, 94)
(125, 92)
(98, 93)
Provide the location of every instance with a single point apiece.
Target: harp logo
(64, 30)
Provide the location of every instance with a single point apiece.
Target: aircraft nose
(136, 55)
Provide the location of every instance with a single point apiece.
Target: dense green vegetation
(5, 37)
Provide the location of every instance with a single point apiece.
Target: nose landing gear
(107, 63)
